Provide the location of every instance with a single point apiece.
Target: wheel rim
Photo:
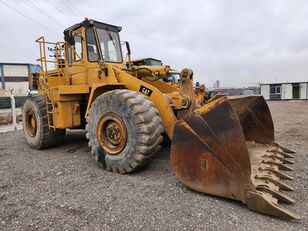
(111, 133)
(31, 124)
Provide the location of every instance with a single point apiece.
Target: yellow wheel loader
(223, 147)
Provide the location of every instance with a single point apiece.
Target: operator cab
(100, 40)
(146, 62)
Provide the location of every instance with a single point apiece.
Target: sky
(238, 42)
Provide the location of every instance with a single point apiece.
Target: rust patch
(213, 151)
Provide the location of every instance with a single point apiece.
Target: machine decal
(145, 90)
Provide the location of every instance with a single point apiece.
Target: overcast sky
(239, 42)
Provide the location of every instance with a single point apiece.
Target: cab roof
(90, 23)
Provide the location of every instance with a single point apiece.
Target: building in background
(285, 91)
(216, 84)
(232, 91)
(15, 78)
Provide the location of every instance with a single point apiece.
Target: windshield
(173, 78)
(110, 45)
(152, 62)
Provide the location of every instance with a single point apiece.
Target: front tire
(35, 123)
(124, 130)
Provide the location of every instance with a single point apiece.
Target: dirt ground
(63, 188)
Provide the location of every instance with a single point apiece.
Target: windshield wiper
(110, 37)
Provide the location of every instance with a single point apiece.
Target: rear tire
(137, 125)
(35, 123)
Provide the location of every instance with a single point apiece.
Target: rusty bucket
(226, 148)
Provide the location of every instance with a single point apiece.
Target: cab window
(110, 45)
(91, 46)
(78, 47)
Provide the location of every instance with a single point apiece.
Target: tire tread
(148, 125)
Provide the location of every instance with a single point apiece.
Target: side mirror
(71, 40)
(127, 48)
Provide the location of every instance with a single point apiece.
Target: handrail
(58, 51)
(59, 59)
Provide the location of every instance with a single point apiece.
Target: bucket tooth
(280, 196)
(265, 203)
(280, 174)
(278, 164)
(279, 183)
(284, 154)
(279, 157)
(283, 149)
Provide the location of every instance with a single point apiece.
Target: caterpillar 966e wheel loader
(223, 147)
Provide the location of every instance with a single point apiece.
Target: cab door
(75, 59)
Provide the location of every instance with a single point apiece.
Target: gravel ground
(63, 188)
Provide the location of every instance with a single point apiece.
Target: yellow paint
(73, 89)
(98, 89)
(70, 85)
(156, 97)
(207, 107)
(69, 108)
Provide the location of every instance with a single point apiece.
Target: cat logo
(145, 90)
